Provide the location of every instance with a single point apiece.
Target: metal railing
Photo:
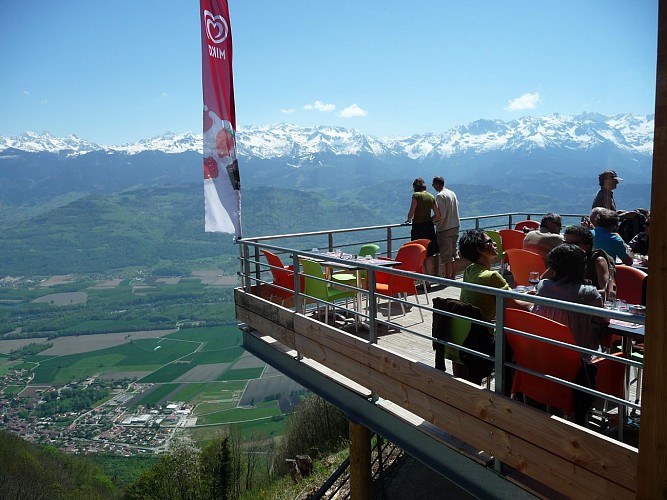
(256, 272)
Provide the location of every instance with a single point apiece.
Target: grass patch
(219, 337)
(167, 373)
(214, 407)
(218, 356)
(242, 374)
(12, 390)
(264, 411)
(210, 391)
(154, 397)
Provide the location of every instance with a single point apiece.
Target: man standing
(546, 238)
(605, 197)
(447, 227)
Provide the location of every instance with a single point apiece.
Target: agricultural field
(176, 338)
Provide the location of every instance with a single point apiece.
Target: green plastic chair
(495, 236)
(458, 333)
(368, 249)
(317, 287)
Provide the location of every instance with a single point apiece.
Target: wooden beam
(360, 462)
(565, 457)
(653, 431)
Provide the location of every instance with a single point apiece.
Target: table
(628, 332)
(353, 264)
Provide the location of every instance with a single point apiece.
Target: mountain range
(57, 192)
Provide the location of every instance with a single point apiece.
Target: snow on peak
(633, 133)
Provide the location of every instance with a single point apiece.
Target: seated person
(639, 244)
(476, 246)
(546, 238)
(568, 262)
(599, 266)
(606, 237)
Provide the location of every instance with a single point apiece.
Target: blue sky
(121, 71)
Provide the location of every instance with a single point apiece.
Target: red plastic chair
(544, 358)
(522, 262)
(283, 276)
(630, 284)
(511, 238)
(411, 258)
(530, 224)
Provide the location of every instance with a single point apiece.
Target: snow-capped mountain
(630, 133)
(550, 155)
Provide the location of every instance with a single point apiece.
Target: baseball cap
(610, 174)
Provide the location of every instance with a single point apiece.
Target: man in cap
(605, 197)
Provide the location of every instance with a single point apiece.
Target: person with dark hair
(605, 197)
(476, 246)
(606, 237)
(639, 243)
(547, 237)
(447, 228)
(422, 204)
(568, 264)
(600, 268)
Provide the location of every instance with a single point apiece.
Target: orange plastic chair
(411, 258)
(522, 262)
(530, 224)
(543, 358)
(424, 244)
(283, 276)
(630, 284)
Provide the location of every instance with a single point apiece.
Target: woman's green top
(425, 201)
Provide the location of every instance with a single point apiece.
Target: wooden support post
(360, 462)
(652, 470)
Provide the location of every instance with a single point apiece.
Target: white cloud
(287, 111)
(26, 92)
(320, 106)
(44, 101)
(525, 101)
(164, 94)
(352, 111)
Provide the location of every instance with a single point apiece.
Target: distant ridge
(627, 132)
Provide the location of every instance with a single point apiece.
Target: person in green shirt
(476, 246)
(422, 204)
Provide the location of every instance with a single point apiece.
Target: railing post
(389, 238)
(257, 271)
(476, 222)
(330, 242)
(246, 269)
(511, 223)
(500, 359)
(297, 282)
(372, 307)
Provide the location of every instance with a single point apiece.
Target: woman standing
(422, 204)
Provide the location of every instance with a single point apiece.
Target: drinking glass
(534, 279)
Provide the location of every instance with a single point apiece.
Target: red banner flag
(222, 185)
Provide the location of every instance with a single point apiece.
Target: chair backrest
(630, 284)
(368, 249)
(530, 224)
(512, 238)
(543, 358)
(315, 284)
(610, 376)
(412, 256)
(498, 240)
(522, 262)
(281, 276)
